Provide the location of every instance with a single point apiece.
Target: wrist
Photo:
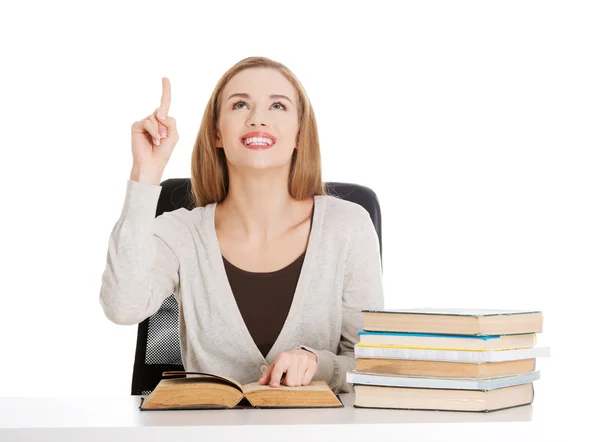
(309, 350)
(146, 174)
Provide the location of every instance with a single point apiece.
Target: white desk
(118, 418)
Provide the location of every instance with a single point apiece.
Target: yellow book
(447, 342)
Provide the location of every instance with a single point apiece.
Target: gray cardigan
(149, 258)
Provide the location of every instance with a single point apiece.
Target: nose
(257, 118)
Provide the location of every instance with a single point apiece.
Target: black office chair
(157, 348)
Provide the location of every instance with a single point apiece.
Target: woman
(270, 273)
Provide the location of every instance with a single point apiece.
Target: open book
(185, 390)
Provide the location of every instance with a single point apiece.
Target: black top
(264, 298)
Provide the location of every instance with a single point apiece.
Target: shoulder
(179, 225)
(177, 217)
(343, 216)
(186, 216)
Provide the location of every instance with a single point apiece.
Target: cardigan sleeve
(142, 269)
(362, 289)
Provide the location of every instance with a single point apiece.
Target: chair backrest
(157, 347)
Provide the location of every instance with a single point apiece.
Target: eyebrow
(272, 97)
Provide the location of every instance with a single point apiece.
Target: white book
(448, 383)
(383, 352)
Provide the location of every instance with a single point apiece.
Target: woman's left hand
(299, 367)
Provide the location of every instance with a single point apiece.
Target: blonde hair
(210, 177)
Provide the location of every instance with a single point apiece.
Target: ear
(218, 141)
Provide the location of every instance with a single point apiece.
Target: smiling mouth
(258, 143)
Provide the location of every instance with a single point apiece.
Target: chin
(261, 162)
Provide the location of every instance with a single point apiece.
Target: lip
(261, 135)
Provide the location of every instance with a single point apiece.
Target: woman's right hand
(153, 139)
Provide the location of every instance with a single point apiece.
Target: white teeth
(258, 141)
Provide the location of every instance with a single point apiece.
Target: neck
(258, 204)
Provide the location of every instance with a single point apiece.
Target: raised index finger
(165, 100)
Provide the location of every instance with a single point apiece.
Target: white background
(476, 123)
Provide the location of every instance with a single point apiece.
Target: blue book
(428, 335)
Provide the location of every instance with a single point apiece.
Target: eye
(279, 103)
(238, 102)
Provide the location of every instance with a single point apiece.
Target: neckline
(241, 330)
(270, 274)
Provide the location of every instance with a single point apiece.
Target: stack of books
(447, 359)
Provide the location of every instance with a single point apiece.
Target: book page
(193, 374)
(313, 386)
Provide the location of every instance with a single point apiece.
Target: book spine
(420, 347)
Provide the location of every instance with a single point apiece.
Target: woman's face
(258, 120)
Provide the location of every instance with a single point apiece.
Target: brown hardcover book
(181, 390)
(370, 396)
(407, 367)
(454, 321)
